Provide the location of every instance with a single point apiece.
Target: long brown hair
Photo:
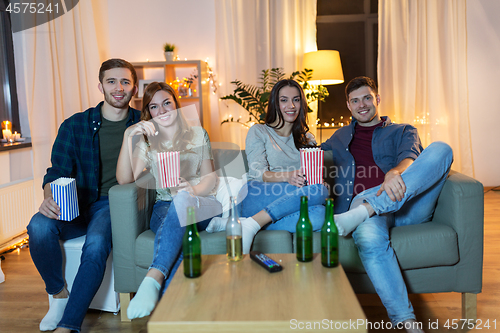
(299, 127)
(184, 134)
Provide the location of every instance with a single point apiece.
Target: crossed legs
(424, 180)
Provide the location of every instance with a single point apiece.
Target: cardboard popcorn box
(64, 194)
(169, 169)
(311, 164)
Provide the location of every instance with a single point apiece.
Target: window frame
(12, 111)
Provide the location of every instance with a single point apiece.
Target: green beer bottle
(329, 238)
(191, 247)
(234, 246)
(304, 233)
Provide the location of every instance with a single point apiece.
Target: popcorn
(311, 165)
(64, 194)
(168, 169)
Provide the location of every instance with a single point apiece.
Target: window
(350, 27)
(9, 109)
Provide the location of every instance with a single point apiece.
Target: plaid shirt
(75, 152)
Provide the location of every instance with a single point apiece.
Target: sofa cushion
(266, 241)
(416, 246)
(273, 241)
(213, 243)
(425, 245)
(144, 245)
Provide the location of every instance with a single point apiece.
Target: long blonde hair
(184, 134)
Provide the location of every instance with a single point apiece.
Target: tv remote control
(269, 264)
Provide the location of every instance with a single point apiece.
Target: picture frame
(142, 87)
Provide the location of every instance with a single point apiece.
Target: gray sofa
(443, 255)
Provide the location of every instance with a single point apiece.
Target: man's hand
(393, 185)
(50, 209)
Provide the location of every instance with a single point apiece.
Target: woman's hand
(142, 127)
(297, 178)
(185, 186)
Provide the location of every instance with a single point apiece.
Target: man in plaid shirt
(86, 148)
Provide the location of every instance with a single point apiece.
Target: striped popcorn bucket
(169, 169)
(311, 164)
(64, 194)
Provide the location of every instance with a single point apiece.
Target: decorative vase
(169, 56)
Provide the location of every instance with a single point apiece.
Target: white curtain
(422, 71)
(57, 67)
(257, 35)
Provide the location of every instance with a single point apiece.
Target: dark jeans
(44, 235)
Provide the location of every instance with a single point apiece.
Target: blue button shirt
(391, 144)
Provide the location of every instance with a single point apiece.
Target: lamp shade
(326, 67)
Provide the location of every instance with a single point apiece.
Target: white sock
(55, 313)
(348, 221)
(145, 299)
(217, 224)
(249, 227)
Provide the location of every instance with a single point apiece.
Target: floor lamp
(327, 69)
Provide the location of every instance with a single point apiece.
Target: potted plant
(169, 51)
(185, 89)
(256, 98)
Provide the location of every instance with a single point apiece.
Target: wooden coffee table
(244, 297)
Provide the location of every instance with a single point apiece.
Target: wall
(138, 30)
(483, 54)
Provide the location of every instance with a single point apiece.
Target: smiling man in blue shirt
(86, 148)
(384, 178)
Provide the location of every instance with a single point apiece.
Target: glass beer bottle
(191, 247)
(329, 238)
(304, 233)
(234, 247)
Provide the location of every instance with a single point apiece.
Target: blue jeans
(424, 179)
(44, 235)
(281, 201)
(166, 224)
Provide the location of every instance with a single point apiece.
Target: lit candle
(6, 134)
(6, 125)
(17, 136)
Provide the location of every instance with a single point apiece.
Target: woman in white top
(164, 128)
(271, 198)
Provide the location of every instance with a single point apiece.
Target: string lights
(17, 246)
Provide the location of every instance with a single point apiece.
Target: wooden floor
(23, 301)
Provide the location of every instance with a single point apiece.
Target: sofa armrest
(461, 206)
(130, 208)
